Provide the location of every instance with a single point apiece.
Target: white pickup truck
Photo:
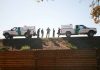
(68, 30)
(26, 31)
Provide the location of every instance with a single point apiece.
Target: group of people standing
(38, 33)
(47, 33)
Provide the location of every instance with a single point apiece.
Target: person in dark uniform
(28, 32)
(42, 32)
(48, 32)
(38, 33)
(53, 32)
(58, 32)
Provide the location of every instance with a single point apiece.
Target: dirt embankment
(53, 43)
(57, 43)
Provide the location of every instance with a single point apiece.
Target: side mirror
(11, 29)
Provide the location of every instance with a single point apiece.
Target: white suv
(26, 31)
(68, 30)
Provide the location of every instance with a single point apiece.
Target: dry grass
(57, 43)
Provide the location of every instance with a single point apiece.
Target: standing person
(28, 33)
(58, 32)
(42, 32)
(48, 32)
(38, 33)
(53, 32)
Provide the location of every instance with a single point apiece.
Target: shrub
(3, 49)
(25, 47)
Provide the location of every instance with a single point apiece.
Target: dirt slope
(53, 43)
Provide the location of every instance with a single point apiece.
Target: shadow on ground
(84, 42)
(18, 43)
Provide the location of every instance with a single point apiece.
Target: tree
(95, 11)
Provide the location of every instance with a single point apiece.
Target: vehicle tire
(68, 34)
(91, 34)
(7, 36)
(11, 37)
(28, 36)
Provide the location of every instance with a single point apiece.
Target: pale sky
(53, 14)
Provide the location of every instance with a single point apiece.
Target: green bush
(3, 49)
(25, 47)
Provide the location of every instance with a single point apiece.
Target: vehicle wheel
(7, 36)
(27, 35)
(91, 34)
(11, 37)
(30, 36)
(68, 34)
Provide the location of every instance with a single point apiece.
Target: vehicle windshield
(13, 29)
(83, 27)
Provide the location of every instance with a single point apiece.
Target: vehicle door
(82, 29)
